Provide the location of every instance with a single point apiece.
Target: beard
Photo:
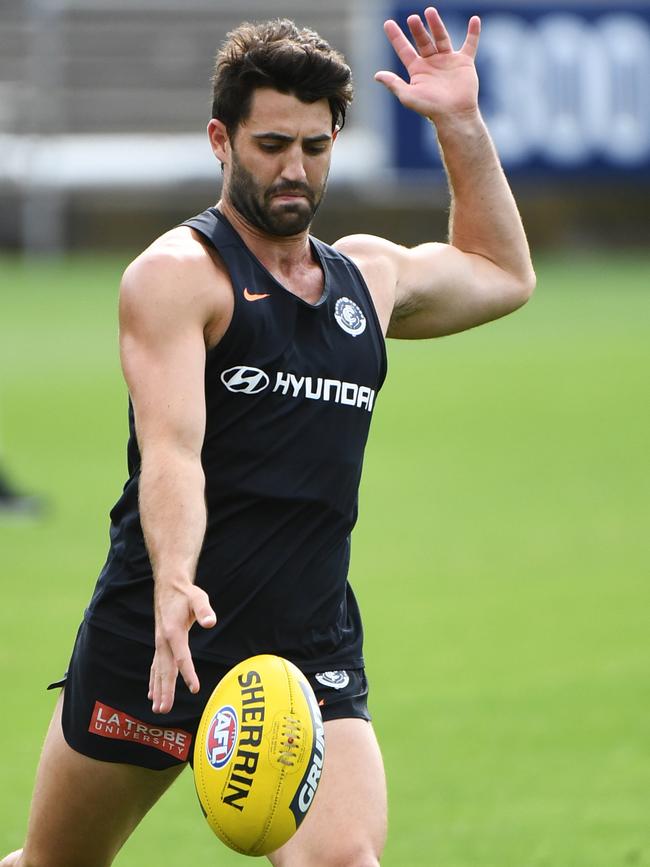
(257, 205)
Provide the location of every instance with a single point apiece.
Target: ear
(219, 140)
(337, 130)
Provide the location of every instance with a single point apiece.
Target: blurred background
(103, 106)
(502, 556)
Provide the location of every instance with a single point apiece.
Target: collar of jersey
(314, 246)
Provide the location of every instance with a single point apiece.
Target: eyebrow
(278, 136)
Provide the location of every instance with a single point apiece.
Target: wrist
(463, 124)
(168, 581)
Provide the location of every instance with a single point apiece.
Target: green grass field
(502, 563)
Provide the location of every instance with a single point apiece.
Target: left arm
(485, 271)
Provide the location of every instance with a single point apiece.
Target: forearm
(173, 516)
(173, 512)
(484, 218)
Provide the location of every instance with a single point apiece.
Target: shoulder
(175, 276)
(174, 260)
(367, 247)
(379, 262)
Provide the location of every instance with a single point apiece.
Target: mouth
(288, 197)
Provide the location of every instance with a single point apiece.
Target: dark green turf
(502, 562)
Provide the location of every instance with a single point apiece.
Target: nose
(294, 167)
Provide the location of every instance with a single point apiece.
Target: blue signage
(563, 88)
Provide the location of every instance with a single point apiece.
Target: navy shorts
(107, 715)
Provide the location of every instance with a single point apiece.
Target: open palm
(442, 82)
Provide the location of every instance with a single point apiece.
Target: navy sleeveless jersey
(289, 392)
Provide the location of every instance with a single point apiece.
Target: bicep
(442, 290)
(433, 289)
(162, 350)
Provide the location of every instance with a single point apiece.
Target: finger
(180, 662)
(188, 672)
(202, 610)
(421, 36)
(152, 678)
(470, 45)
(438, 30)
(157, 693)
(403, 48)
(391, 81)
(165, 689)
(167, 692)
(163, 679)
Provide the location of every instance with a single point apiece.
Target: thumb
(202, 609)
(390, 80)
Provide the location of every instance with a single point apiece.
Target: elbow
(529, 283)
(523, 287)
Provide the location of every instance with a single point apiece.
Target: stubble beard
(257, 207)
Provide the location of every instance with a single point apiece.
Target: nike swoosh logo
(253, 296)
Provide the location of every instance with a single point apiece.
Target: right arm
(162, 346)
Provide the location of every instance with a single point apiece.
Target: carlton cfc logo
(221, 737)
(350, 317)
(247, 380)
(335, 679)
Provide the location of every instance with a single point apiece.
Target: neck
(276, 252)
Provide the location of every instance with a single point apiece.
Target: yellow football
(258, 754)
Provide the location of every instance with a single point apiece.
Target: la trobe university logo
(248, 380)
(350, 317)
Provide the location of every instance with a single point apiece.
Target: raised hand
(442, 82)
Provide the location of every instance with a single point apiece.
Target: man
(253, 355)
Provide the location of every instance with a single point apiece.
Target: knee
(360, 852)
(334, 856)
(21, 859)
(48, 859)
(361, 860)
(349, 859)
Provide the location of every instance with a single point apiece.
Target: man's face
(279, 162)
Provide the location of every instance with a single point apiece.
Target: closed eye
(271, 143)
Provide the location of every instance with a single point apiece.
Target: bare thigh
(346, 826)
(83, 810)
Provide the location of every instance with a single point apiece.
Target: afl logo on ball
(221, 737)
(350, 317)
(335, 679)
(248, 380)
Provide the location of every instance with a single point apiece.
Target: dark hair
(277, 54)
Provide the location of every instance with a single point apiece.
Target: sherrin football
(258, 754)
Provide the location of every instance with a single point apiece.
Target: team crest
(350, 317)
(335, 679)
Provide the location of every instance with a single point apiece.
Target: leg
(83, 810)
(346, 827)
